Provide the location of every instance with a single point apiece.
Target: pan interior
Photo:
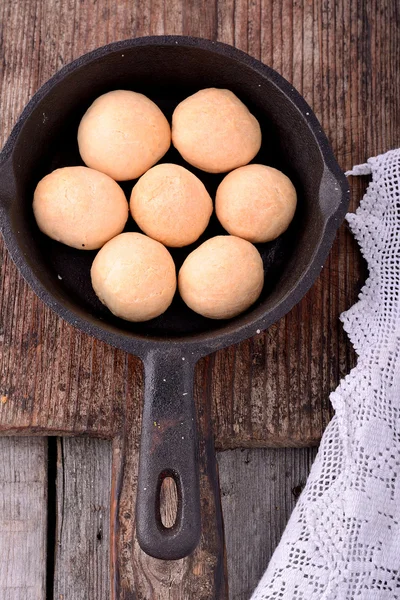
(167, 74)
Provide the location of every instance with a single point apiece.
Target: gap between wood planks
(52, 469)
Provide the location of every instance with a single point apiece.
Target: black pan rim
(195, 346)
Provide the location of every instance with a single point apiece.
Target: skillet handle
(168, 449)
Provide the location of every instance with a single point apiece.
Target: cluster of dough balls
(121, 137)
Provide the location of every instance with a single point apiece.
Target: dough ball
(80, 207)
(134, 276)
(256, 203)
(171, 205)
(123, 134)
(214, 131)
(222, 277)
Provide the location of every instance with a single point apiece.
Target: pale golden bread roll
(134, 276)
(123, 134)
(171, 205)
(80, 207)
(222, 277)
(256, 203)
(214, 131)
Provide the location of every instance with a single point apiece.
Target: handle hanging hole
(169, 501)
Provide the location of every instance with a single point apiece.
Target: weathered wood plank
(288, 403)
(83, 492)
(23, 518)
(259, 489)
(136, 575)
(23, 463)
(83, 520)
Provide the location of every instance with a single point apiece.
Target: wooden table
(270, 391)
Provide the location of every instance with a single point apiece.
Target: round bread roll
(256, 203)
(222, 277)
(134, 276)
(123, 134)
(171, 205)
(214, 131)
(80, 207)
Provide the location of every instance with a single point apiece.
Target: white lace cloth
(343, 539)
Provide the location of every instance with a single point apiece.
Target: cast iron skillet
(168, 69)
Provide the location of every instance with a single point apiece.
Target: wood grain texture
(333, 54)
(84, 482)
(259, 489)
(134, 574)
(23, 504)
(168, 502)
(273, 389)
(83, 520)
